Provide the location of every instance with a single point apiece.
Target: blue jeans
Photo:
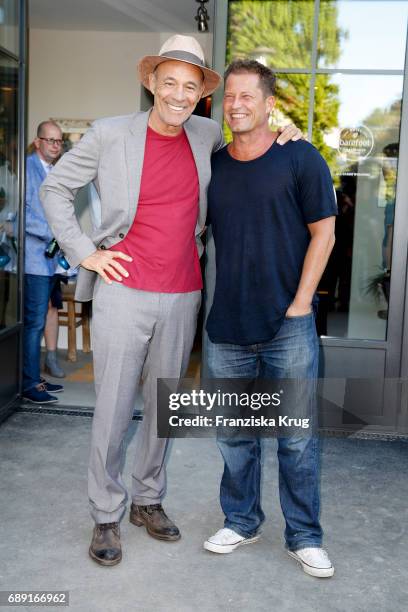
(293, 353)
(37, 291)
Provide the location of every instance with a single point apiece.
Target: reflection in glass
(363, 156)
(292, 100)
(8, 192)
(277, 33)
(370, 34)
(356, 121)
(292, 105)
(9, 25)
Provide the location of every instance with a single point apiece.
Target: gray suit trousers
(138, 336)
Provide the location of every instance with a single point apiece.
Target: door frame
(12, 337)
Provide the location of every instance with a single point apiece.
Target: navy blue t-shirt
(259, 211)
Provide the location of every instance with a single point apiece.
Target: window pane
(361, 144)
(9, 25)
(292, 101)
(8, 193)
(276, 33)
(366, 34)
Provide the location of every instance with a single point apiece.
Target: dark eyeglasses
(52, 141)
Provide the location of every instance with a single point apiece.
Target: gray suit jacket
(111, 155)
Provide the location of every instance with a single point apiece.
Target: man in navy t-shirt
(272, 212)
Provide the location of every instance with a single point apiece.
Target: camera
(52, 249)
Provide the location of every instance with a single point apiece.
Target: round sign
(356, 143)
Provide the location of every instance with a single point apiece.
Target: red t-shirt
(161, 240)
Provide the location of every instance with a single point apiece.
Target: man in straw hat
(141, 268)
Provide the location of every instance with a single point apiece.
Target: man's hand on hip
(104, 263)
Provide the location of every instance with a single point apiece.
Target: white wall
(87, 75)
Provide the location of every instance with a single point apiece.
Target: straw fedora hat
(183, 49)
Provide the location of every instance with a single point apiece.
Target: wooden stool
(72, 319)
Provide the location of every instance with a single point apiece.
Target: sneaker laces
(309, 555)
(41, 387)
(225, 534)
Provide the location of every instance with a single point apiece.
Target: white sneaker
(226, 540)
(314, 561)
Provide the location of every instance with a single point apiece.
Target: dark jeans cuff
(240, 531)
(304, 544)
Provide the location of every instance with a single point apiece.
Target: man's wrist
(301, 305)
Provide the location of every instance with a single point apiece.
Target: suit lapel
(200, 151)
(135, 147)
(201, 156)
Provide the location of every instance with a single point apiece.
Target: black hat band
(183, 56)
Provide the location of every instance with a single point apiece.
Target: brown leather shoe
(105, 547)
(157, 523)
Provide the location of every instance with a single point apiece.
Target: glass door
(12, 113)
(340, 68)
